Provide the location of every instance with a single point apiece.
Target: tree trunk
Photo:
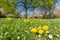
(44, 16)
(33, 14)
(50, 14)
(25, 13)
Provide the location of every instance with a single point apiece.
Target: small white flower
(48, 22)
(31, 22)
(6, 33)
(47, 31)
(26, 31)
(57, 35)
(50, 36)
(39, 36)
(18, 37)
(12, 38)
(55, 28)
(30, 28)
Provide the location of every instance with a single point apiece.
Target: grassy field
(19, 29)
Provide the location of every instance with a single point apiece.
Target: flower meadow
(29, 29)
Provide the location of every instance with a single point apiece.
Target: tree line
(10, 6)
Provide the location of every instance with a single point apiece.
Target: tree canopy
(11, 5)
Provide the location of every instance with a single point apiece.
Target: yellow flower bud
(41, 31)
(39, 27)
(8, 19)
(33, 30)
(45, 27)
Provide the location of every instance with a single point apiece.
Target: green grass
(11, 30)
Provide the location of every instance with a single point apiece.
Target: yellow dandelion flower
(39, 27)
(45, 27)
(8, 19)
(41, 31)
(33, 30)
(26, 20)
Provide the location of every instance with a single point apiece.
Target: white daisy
(47, 31)
(50, 36)
(5, 33)
(48, 22)
(18, 37)
(26, 31)
(55, 28)
(58, 35)
(39, 36)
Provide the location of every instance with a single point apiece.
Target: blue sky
(58, 4)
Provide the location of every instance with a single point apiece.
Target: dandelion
(45, 27)
(8, 19)
(50, 36)
(33, 30)
(26, 20)
(39, 27)
(41, 31)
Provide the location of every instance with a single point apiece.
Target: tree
(8, 6)
(50, 5)
(25, 4)
(46, 5)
